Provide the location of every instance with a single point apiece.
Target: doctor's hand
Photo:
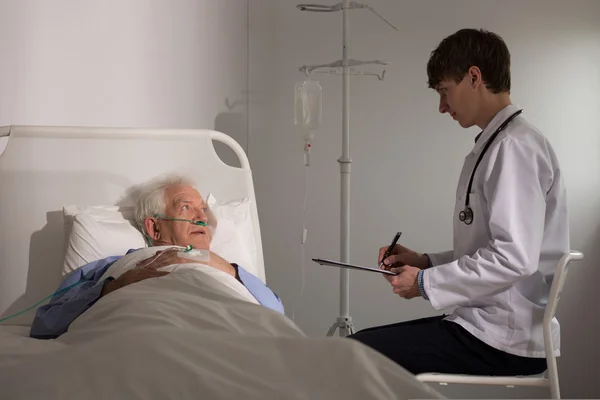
(405, 283)
(400, 256)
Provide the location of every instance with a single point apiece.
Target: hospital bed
(54, 181)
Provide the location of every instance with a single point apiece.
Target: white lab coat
(500, 271)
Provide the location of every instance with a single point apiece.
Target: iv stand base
(345, 325)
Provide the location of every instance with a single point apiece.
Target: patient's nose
(200, 215)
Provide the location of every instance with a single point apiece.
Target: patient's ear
(152, 228)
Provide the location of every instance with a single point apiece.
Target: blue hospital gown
(53, 319)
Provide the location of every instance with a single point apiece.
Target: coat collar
(489, 130)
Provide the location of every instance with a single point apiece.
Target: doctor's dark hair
(467, 48)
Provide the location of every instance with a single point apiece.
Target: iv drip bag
(308, 105)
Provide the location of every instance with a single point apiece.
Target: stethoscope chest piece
(466, 216)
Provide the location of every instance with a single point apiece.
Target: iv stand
(344, 321)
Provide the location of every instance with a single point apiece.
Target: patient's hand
(131, 276)
(167, 257)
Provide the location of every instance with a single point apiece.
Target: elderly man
(165, 213)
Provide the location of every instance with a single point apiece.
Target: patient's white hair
(152, 199)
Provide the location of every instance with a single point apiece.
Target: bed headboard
(44, 168)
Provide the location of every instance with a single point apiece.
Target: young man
(510, 229)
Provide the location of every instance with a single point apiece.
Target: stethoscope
(466, 215)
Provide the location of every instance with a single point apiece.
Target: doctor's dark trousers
(435, 345)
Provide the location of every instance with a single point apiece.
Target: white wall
(406, 156)
(142, 63)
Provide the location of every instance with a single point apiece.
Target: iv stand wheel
(345, 325)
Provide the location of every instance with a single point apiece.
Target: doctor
(510, 229)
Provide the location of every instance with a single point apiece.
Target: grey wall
(185, 64)
(406, 156)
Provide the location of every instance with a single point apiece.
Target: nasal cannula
(191, 221)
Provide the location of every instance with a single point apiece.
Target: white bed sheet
(189, 335)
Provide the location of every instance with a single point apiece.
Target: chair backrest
(560, 277)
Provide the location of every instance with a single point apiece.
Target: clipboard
(351, 266)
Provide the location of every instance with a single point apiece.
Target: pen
(389, 250)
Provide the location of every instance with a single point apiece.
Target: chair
(549, 378)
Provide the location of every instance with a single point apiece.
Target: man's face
(459, 100)
(181, 202)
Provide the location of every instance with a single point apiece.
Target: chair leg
(554, 390)
(553, 379)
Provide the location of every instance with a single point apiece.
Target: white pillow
(233, 238)
(96, 232)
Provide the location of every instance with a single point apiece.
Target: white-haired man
(167, 213)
